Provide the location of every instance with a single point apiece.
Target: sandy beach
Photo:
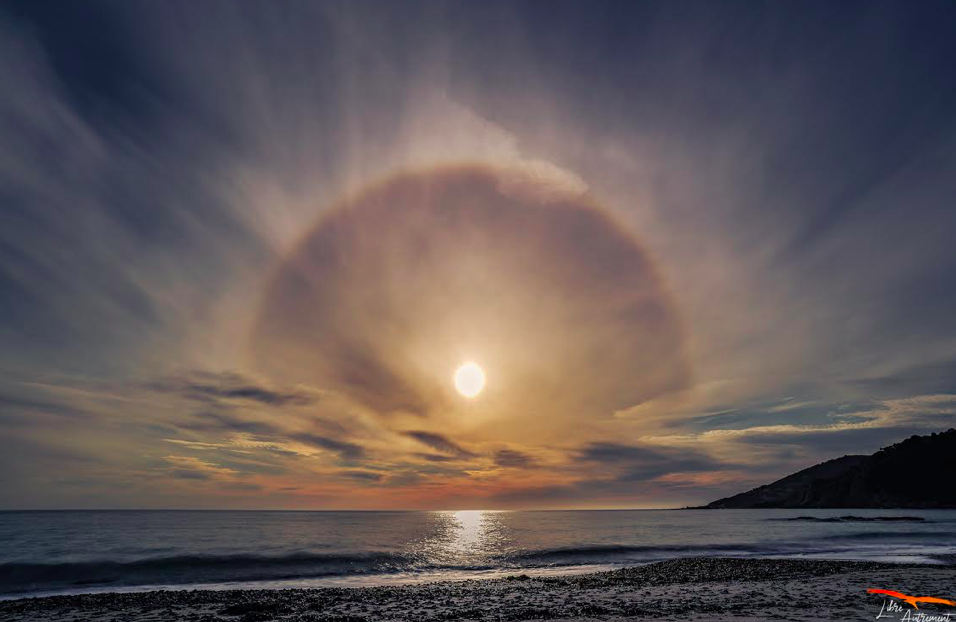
(682, 589)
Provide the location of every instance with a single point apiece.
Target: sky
(244, 246)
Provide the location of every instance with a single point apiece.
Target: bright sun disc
(469, 379)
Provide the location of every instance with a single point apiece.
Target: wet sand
(684, 589)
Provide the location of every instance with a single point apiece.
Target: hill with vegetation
(915, 473)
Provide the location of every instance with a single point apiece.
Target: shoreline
(678, 589)
(351, 581)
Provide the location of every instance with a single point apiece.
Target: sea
(72, 552)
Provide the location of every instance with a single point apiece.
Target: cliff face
(916, 473)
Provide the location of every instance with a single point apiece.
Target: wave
(944, 537)
(851, 519)
(602, 552)
(18, 577)
(23, 577)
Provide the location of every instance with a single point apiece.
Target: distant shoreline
(712, 587)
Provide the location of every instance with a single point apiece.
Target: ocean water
(86, 551)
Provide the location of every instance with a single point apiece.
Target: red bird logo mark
(912, 600)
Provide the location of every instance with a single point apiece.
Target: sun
(469, 379)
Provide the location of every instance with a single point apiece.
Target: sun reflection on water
(466, 537)
(470, 530)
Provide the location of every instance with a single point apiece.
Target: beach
(697, 588)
